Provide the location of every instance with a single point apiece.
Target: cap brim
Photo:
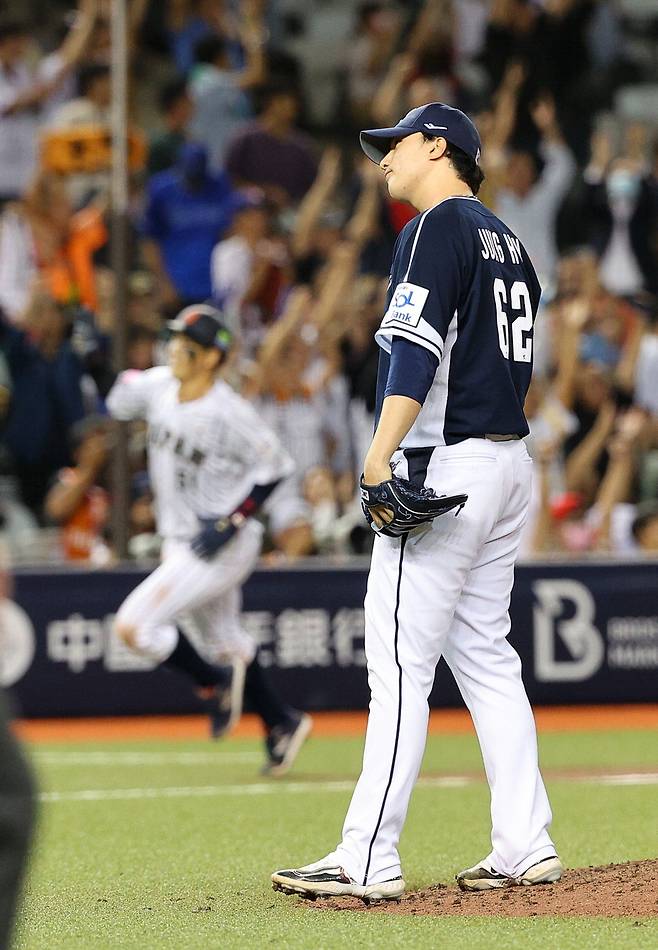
(376, 142)
(177, 325)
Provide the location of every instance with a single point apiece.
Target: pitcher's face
(406, 163)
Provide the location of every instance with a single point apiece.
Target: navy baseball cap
(435, 118)
(203, 324)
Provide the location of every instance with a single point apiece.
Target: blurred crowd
(247, 188)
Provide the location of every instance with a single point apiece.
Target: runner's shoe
(223, 702)
(284, 742)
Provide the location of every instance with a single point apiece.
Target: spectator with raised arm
(315, 203)
(25, 91)
(497, 129)
(295, 411)
(78, 499)
(620, 217)
(531, 199)
(376, 31)
(389, 99)
(614, 511)
(220, 90)
(188, 22)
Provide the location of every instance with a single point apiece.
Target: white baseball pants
(189, 591)
(445, 590)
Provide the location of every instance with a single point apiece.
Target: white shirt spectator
(19, 132)
(471, 18)
(50, 67)
(17, 263)
(532, 218)
(620, 272)
(646, 373)
(230, 272)
(622, 517)
(221, 108)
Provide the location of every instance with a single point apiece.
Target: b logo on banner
(577, 633)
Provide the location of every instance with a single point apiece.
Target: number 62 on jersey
(514, 311)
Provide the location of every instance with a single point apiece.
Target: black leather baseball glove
(410, 506)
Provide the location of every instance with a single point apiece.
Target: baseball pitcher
(446, 484)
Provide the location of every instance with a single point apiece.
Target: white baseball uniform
(460, 315)
(205, 457)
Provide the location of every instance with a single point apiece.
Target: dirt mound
(614, 890)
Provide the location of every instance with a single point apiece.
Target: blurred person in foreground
(212, 465)
(17, 809)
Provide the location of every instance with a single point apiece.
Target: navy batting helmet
(205, 325)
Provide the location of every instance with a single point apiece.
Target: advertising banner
(586, 633)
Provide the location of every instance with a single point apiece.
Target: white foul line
(192, 791)
(270, 788)
(53, 758)
(623, 778)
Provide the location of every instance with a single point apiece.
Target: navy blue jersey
(463, 287)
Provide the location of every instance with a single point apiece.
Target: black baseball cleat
(482, 877)
(223, 702)
(284, 742)
(325, 878)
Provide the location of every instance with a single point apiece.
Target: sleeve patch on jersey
(406, 306)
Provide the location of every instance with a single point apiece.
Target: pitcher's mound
(615, 890)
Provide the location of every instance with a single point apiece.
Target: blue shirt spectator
(187, 211)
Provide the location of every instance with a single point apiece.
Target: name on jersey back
(492, 249)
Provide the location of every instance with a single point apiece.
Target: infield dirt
(614, 890)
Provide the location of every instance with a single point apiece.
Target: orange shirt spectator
(82, 532)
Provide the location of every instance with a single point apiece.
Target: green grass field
(155, 845)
